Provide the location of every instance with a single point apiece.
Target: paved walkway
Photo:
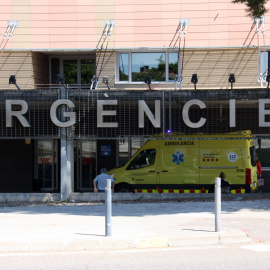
(134, 225)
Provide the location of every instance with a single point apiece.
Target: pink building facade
(126, 57)
(214, 40)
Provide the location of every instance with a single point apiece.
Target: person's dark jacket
(224, 183)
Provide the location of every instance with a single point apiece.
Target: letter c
(186, 110)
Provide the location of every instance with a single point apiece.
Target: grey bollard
(108, 210)
(217, 204)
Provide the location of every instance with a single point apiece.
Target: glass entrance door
(70, 71)
(85, 164)
(75, 70)
(47, 165)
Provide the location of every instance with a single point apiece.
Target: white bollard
(108, 210)
(217, 204)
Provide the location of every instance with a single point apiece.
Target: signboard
(106, 150)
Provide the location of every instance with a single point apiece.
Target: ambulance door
(143, 168)
(179, 165)
(222, 156)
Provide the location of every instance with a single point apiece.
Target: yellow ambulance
(189, 164)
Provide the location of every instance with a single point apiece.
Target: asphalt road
(222, 257)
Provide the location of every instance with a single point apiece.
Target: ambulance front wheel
(124, 188)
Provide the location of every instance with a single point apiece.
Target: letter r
(18, 114)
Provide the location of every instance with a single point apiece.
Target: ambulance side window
(144, 159)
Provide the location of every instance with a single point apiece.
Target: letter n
(143, 108)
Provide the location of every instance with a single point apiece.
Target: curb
(117, 243)
(118, 197)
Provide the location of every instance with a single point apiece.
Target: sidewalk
(139, 225)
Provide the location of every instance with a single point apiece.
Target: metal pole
(170, 112)
(63, 185)
(163, 113)
(217, 204)
(63, 143)
(70, 162)
(108, 210)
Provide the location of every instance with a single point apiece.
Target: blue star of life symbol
(178, 158)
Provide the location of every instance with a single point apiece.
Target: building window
(76, 71)
(55, 70)
(161, 66)
(123, 152)
(87, 70)
(264, 61)
(173, 66)
(70, 71)
(152, 64)
(123, 67)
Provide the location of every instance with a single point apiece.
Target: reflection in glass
(123, 152)
(46, 164)
(87, 70)
(135, 146)
(152, 64)
(55, 70)
(173, 65)
(123, 67)
(70, 71)
(88, 159)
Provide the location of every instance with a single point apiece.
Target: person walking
(99, 182)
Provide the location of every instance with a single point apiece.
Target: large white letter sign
(101, 113)
(263, 112)
(143, 108)
(186, 117)
(70, 115)
(18, 114)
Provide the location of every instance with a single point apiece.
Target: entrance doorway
(46, 173)
(75, 70)
(85, 164)
(89, 157)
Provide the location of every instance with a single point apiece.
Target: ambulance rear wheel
(124, 188)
